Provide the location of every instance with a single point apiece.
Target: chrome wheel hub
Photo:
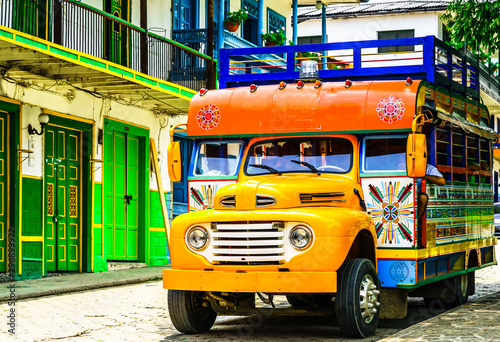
(464, 283)
(368, 303)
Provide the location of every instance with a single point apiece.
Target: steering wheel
(330, 168)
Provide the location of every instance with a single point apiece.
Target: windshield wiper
(268, 168)
(313, 169)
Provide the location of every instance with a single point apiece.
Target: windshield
(299, 155)
(217, 158)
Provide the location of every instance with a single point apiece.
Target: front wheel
(357, 299)
(189, 312)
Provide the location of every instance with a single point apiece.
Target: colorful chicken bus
(310, 189)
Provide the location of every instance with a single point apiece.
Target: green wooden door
(119, 33)
(122, 195)
(32, 17)
(62, 185)
(3, 191)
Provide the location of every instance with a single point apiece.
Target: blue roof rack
(425, 58)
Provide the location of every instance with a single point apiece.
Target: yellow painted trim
(6, 234)
(44, 207)
(9, 100)
(80, 237)
(97, 182)
(64, 246)
(92, 195)
(31, 239)
(126, 122)
(32, 177)
(95, 225)
(156, 190)
(90, 66)
(76, 254)
(433, 251)
(155, 229)
(102, 195)
(68, 116)
(20, 168)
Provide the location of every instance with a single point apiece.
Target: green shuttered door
(3, 191)
(121, 184)
(63, 198)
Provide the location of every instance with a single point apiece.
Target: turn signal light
(318, 84)
(203, 91)
(253, 88)
(282, 85)
(300, 84)
(348, 83)
(409, 81)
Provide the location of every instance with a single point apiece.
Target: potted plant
(234, 19)
(274, 37)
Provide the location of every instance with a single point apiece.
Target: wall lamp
(43, 119)
(319, 4)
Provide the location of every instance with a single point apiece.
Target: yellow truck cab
(309, 188)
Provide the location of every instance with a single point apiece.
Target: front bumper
(257, 281)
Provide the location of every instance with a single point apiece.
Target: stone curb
(66, 284)
(79, 288)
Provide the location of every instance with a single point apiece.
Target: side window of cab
(384, 154)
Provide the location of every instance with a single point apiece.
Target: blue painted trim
(294, 21)
(433, 147)
(287, 73)
(278, 17)
(196, 147)
(260, 22)
(220, 27)
(323, 34)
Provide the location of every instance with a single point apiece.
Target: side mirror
(174, 160)
(416, 155)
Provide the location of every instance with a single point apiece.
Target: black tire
(189, 312)
(357, 287)
(454, 292)
(472, 283)
(434, 304)
(460, 290)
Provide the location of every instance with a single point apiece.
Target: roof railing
(425, 58)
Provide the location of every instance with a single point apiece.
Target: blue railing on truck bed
(425, 58)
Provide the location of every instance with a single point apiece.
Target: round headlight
(300, 237)
(197, 238)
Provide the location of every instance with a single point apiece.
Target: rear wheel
(454, 292)
(461, 290)
(357, 299)
(189, 312)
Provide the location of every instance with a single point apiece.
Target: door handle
(128, 198)
(54, 218)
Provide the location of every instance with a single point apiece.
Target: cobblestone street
(139, 313)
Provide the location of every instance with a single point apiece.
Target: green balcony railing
(83, 28)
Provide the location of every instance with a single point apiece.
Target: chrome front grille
(248, 243)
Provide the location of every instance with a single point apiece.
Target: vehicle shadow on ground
(299, 328)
